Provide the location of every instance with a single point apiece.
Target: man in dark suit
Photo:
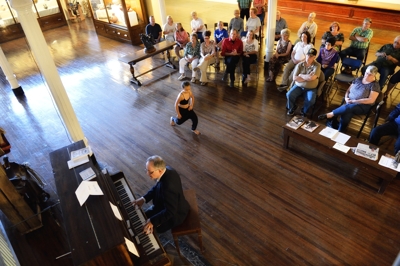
(170, 207)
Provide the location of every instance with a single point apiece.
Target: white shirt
(301, 50)
(169, 36)
(253, 23)
(195, 24)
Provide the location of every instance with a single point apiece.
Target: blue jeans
(388, 129)
(347, 111)
(295, 92)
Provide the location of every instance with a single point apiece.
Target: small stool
(191, 224)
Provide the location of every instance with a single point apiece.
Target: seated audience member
(250, 51)
(306, 77)
(388, 57)
(169, 29)
(298, 55)
(232, 49)
(244, 7)
(208, 56)
(335, 33)
(281, 56)
(390, 128)
(192, 55)
(309, 26)
(280, 25)
(359, 98)
(260, 6)
(181, 39)
(153, 29)
(197, 26)
(220, 34)
(360, 38)
(236, 23)
(327, 57)
(392, 82)
(253, 23)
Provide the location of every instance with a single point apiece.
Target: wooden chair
(191, 225)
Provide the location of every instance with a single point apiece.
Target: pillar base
(18, 91)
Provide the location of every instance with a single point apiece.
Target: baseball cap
(312, 51)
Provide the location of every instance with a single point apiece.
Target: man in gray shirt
(236, 23)
(305, 76)
(280, 25)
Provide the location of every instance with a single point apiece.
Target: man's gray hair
(157, 161)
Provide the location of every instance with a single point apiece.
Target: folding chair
(354, 65)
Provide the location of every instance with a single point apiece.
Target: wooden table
(140, 55)
(325, 145)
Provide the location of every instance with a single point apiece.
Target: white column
(46, 65)
(5, 66)
(163, 14)
(271, 26)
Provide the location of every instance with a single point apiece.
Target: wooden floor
(259, 204)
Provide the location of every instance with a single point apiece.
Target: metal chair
(354, 65)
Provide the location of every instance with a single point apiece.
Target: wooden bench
(325, 145)
(140, 55)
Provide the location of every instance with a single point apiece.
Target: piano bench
(191, 224)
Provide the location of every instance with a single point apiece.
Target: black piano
(95, 235)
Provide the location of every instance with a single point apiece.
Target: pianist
(170, 207)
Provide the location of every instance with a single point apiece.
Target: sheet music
(116, 211)
(131, 247)
(87, 188)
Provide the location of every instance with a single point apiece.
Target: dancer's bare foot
(196, 132)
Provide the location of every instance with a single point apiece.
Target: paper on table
(116, 211)
(72, 164)
(87, 188)
(131, 247)
(341, 138)
(341, 147)
(388, 162)
(329, 132)
(87, 174)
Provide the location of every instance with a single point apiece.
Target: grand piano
(95, 235)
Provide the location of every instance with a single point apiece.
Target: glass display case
(48, 12)
(122, 20)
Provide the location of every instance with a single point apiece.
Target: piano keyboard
(136, 218)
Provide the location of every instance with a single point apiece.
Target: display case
(49, 14)
(121, 20)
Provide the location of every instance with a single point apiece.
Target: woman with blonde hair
(281, 56)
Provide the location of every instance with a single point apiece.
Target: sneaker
(291, 111)
(225, 76)
(193, 80)
(203, 83)
(171, 121)
(302, 112)
(182, 76)
(196, 69)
